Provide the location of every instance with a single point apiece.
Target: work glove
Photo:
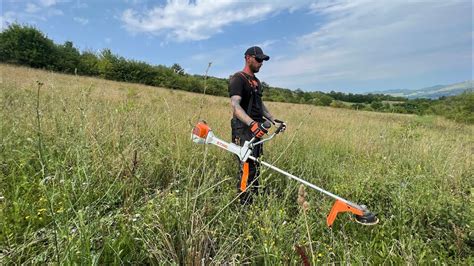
(258, 130)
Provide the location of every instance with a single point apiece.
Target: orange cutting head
(338, 207)
(362, 216)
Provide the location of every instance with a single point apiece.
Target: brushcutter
(202, 134)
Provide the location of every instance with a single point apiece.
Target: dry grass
(119, 180)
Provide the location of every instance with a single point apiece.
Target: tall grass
(95, 171)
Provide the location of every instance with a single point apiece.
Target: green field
(102, 172)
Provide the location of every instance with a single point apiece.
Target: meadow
(102, 172)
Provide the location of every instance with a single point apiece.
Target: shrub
(25, 45)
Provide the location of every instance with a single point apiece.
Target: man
(249, 113)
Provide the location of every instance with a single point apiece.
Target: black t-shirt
(244, 85)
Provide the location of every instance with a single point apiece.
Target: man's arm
(267, 113)
(238, 111)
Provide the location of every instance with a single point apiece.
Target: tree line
(26, 45)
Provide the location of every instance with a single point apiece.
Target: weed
(94, 174)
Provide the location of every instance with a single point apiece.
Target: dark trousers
(249, 171)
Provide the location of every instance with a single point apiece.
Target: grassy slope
(433, 92)
(109, 175)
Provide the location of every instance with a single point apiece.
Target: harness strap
(252, 92)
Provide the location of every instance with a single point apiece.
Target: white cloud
(54, 12)
(221, 58)
(32, 12)
(48, 3)
(79, 5)
(183, 20)
(80, 20)
(135, 2)
(266, 44)
(376, 40)
(32, 8)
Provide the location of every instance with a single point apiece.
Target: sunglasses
(259, 60)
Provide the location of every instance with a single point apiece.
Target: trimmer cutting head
(367, 218)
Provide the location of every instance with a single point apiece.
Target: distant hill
(433, 92)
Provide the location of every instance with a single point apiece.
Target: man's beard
(254, 69)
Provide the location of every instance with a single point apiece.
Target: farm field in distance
(101, 172)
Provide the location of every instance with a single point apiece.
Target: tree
(358, 106)
(26, 45)
(337, 104)
(459, 108)
(376, 105)
(265, 86)
(68, 58)
(88, 64)
(177, 69)
(107, 60)
(320, 98)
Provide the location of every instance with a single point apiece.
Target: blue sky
(350, 46)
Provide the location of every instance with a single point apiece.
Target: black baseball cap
(257, 52)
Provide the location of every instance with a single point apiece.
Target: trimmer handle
(267, 125)
(280, 128)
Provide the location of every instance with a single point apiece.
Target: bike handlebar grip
(278, 121)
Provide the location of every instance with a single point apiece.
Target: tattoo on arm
(238, 111)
